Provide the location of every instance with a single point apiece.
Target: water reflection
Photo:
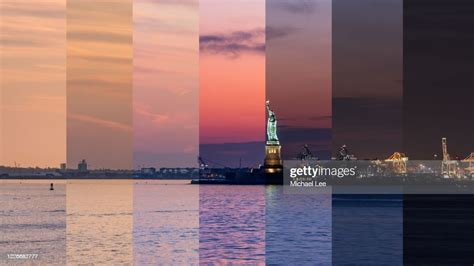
(232, 225)
(298, 228)
(99, 222)
(367, 229)
(166, 223)
(33, 220)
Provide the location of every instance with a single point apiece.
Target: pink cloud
(100, 122)
(155, 118)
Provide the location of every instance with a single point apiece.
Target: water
(367, 230)
(33, 220)
(232, 225)
(298, 228)
(173, 223)
(99, 222)
(166, 223)
(438, 229)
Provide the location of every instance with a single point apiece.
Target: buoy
(51, 187)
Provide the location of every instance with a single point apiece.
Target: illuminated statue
(271, 125)
(273, 164)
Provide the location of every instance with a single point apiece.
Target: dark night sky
(439, 78)
(367, 77)
(403, 77)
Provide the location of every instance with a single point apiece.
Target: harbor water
(145, 222)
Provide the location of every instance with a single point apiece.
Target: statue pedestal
(273, 163)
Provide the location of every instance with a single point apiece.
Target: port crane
(202, 164)
(449, 168)
(470, 159)
(399, 162)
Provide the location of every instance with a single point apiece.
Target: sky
(367, 83)
(127, 84)
(99, 83)
(232, 80)
(438, 82)
(33, 82)
(299, 73)
(139, 83)
(368, 48)
(166, 83)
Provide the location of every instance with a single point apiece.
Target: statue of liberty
(271, 125)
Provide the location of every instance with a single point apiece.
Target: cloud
(235, 43)
(17, 42)
(155, 118)
(278, 32)
(103, 59)
(116, 85)
(97, 36)
(43, 10)
(296, 6)
(99, 122)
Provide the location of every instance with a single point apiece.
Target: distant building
(82, 166)
(151, 171)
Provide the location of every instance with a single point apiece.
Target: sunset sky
(33, 82)
(99, 83)
(232, 80)
(133, 83)
(165, 83)
(232, 71)
(149, 81)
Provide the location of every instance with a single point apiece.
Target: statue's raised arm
(271, 124)
(271, 114)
